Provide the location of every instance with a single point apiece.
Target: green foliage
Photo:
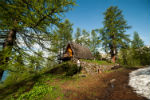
(138, 49)
(14, 78)
(113, 32)
(137, 54)
(70, 68)
(78, 36)
(66, 68)
(134, 57)
(137, 41)
(22, 62)
(85, 38)
(97, 55)
(29, 22)
(22, 67)
(38, 92)
(36, 87)
(12, 62)
(125, 57)
(26, 14)
(145, 56)
(73, 69)
(34, 22)
(90, 40)
(35, 63)
(62, 36)
(94, 42)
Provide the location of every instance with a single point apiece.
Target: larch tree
(78, 36)
(113, 33)
(137, 46)
(64, 32)
(94, 42)
(137, 41)
(85, 38)
(30, 20)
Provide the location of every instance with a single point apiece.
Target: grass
(44, 88)
(38, 86)
(50, 86)
(41, 90)
(99, 62)
(47, 86)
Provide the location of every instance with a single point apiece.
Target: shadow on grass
(63, 70)
(13, 88)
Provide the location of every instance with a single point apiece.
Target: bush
(73, 70)
(70, 68)
(97, 56)
(134, 57)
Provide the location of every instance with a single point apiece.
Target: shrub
(70, 68)
(134, 57)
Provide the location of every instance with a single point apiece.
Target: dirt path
(108, 86)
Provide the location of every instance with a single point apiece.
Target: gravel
(139, 80)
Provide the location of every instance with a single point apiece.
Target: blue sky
(89, 15)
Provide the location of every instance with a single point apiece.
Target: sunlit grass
(99, 62)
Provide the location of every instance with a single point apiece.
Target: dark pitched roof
(80, 52)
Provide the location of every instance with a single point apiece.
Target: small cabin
(76, 51)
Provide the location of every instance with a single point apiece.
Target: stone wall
(91, 68)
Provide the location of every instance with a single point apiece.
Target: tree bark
(9, 42)
(113, 55)
(8, 45)
(1, 73)
(113, 58)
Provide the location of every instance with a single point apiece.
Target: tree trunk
(113, 53)
(8, 45)
(9, 42)
(113, 58)
(1, 73)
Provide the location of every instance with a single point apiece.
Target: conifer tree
(85, 38)
(94, 42)
(137, 48)
(64, 32)
(78, 36)
(137, 41)
(30, 20)
(113, 33)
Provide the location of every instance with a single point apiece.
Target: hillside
(55, 85)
